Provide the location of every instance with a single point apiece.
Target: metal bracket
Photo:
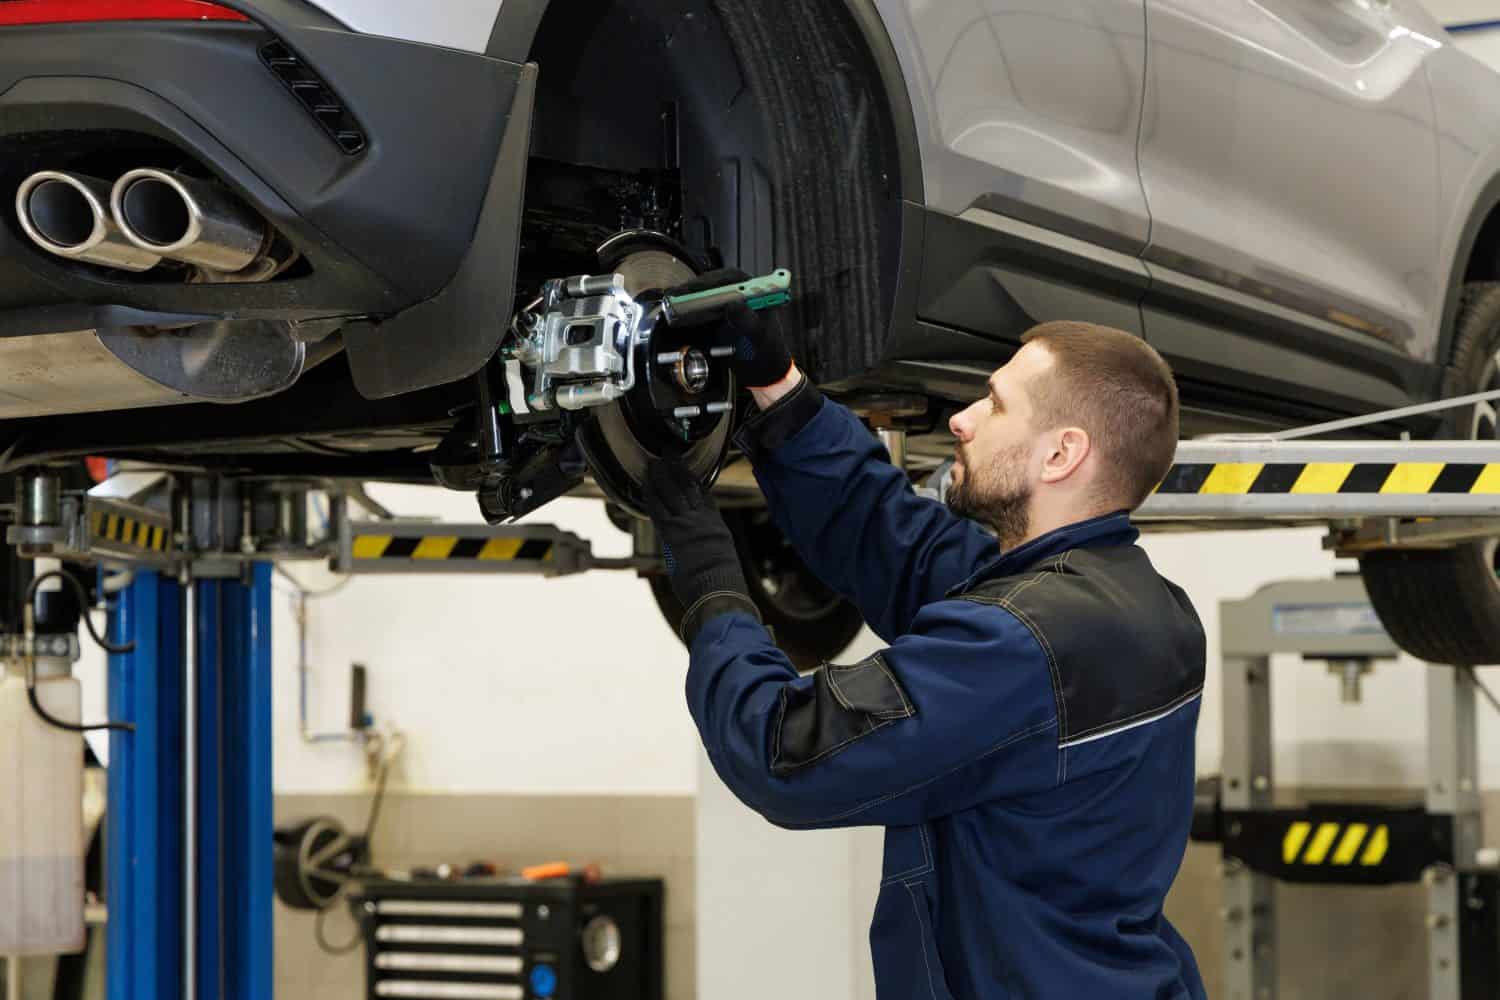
(91, 528)
(434, 547)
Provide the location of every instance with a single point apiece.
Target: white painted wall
(781, 913)
(1484, 45)
(502, 684)
(1462, 11)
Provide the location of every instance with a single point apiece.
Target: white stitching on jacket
(776, 739)
(1041, 638)
(900, 692)
(922, 869)
(833, 686)
(922, 930)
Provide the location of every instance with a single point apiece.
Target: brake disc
(621, 438)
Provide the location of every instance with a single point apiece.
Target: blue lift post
(143, 855)
(231, 820)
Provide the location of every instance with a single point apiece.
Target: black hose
(103, 643)
(83, 604)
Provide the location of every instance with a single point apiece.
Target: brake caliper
(585, 343)
(584, 335)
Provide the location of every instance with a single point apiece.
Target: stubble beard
(996, 494)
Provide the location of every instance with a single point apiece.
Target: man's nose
(961, 424)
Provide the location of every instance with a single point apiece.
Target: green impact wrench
(764, 292)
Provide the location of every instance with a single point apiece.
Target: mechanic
(1027, 736)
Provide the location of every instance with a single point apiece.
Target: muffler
(188, 220)
(68, 215)
(82, 371)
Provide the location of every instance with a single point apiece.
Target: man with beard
(1027, 735)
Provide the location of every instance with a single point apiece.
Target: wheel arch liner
(517, 24)
(1485, 205)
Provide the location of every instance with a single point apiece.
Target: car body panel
(455, 24)
(1002, 129)
(1288, 153)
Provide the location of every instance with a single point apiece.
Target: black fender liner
(516, 27)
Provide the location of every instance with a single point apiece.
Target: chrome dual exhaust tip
(144, 217)
(187, 220)
(69, 215)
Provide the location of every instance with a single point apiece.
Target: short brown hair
(1118, 389)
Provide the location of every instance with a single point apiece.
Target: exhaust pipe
(68, 215)
(188, 220)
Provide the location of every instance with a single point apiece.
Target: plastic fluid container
(41, 814)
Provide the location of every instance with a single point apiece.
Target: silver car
(285, 237)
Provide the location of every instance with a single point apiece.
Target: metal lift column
(189, 829)
(1436, 842)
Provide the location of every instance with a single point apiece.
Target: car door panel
(1288, 156)
(1029, 108)
(1027, 114)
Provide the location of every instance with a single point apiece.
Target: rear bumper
(383, 229)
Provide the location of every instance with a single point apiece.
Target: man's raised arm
(852, 516)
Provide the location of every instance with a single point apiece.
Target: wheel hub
(679, 407)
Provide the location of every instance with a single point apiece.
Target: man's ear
(1070, 447)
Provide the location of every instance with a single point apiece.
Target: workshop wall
(502, 684)
(1479, 24)
(1452, 12)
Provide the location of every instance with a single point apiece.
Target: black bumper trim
(382, 232)
(472, 313)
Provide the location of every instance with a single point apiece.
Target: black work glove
(699, 551)
(761, 356)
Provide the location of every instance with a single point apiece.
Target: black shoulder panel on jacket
(846, 703)
(1124, 644)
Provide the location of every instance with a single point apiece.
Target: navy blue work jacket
(1026, 738)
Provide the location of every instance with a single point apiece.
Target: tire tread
(1443, 605)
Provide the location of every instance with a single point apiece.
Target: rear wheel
(1443, 605)
(812, 624)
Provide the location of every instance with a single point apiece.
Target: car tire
(811, 623)
(1443, 605)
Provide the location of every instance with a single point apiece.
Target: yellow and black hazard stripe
(1328, 478)
(452, 547)
(1335, 844)
(111, 527)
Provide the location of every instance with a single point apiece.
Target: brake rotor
(621, 438)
